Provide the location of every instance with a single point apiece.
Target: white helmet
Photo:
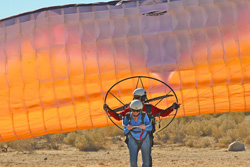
(140, 92)
(136, 105)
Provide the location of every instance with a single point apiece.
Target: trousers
(145, 151)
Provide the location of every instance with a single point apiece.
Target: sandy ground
(117, 156)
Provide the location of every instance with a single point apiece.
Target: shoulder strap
(128, 117)
(148, 110)
(142, 117)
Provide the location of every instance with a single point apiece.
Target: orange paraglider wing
(57, 63)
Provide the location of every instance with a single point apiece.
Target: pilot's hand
(175, 105)
(129, 127)
(106, 107)
(142, 126)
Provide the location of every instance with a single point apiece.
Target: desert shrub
(4, 147)
(184, 120)
(175, 133)
(22, 145)
(161, 137)
(223, 125)
(192, 131)
(112, 131)
(90, 140)
(224, 141)
(85, 143)
(53, 141)
(204, 142)
(190, 143)
(199, 128)
(207, 130)
(59, 137)
(216, 133)
(247, 140)
(232, 134)
(70, 138)
(216, 115)
(243, 129)
(227, 124)
(198, 142)
(86, 140)
(236, 117)
(178, 137)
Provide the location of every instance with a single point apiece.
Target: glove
(175, 106)
(106, 107)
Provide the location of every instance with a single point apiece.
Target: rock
(107, 152)
(45, 158)
(236, 146)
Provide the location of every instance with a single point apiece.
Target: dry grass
(217, 130)
(20, 145)
(87, 140)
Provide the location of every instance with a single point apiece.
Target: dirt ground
(117, 156)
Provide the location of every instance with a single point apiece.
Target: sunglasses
(136, 110)
(137, 97)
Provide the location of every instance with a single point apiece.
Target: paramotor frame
(160, 98)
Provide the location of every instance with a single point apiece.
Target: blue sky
(13, 7)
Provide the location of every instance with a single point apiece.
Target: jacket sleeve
(114, 115)
(125, 124)
(118, 116)
(124, 112)
(167, 112)
(156, 111)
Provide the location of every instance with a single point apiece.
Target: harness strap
(136, 131)
(138, 142)
(148, 110)
(141, 135)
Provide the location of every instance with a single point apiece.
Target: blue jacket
(138, 123)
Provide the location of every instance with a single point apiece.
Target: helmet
(140, 92)
(136, 105)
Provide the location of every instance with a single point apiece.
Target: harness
(138, 142)
(149, 113)
(151, 133)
